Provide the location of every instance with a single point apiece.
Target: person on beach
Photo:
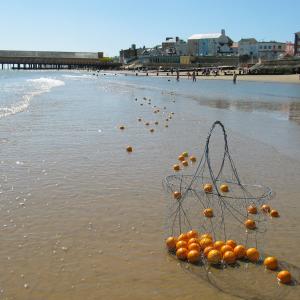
(188, 74)
(234, 78)
(177, 75)
(194, 76)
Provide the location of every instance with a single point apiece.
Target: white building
(174, 46)
(210, 44)
(248, 47)
(271, 50)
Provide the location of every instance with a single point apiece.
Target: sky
(111, 25)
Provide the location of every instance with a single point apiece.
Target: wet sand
(82, 218)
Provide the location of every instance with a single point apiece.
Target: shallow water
(80, 217)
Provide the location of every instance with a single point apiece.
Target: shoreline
(293, 78)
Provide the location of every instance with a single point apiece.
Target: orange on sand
(274, 213)
(171, 243)
(176, 167)
(185, 163)
(194, 246)
(193, 240)
(250, 224)
(214, 256)
(192, 234)
(193, 256)
(129, 149)
(231, 243)
(193, 158)
(207, 188)
(181, 158)
(284, 277)
(177, 195)
(183, 237)
(252, 254)
(181, 244)
(208, 213)
(218, 244)
(239, 251)
(224, 188)
(207, 250)
(266, 208)
(229, 257)
(206, 242)
(271, 263)
(206, 235)
(182, 253)
(225, 248)
(252, 209)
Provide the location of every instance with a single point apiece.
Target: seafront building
(297, 44)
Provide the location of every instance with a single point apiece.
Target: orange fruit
(274, 213)
(252, 254)
(151, 130)
(192, 234)
(250, 224)
(208, 188)
(225, 248)
(207, 250)
(193, 240)
(224, 188)
(129, 149)
(193, 256)
(231, 243)
(177, 195)
(194, 246)
(266, 208)
(193, 158)
(185, 163)
(214, 256)
(239, 251)
(185, 154)
(205, 242)
(181, 244)
(252, 209)
(182, 253)
(122, 127)
(176, 167)
(183, 237)
(218, 244)
(171, 243)
(208, 213)
(284, 277)
(271, 263)
(181, 158)
(147, 123)
(206, 235)
(139, 119)
(229, 257)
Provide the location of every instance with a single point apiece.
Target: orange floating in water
(182, 253)
(266, 208)
(214, 256)
(229, 257)
(177, 195)
(156, 123)
(252, 210)
(185, 154)
(193, 158)
(274, 213)
(208, 188)
(185, 163)
(166, 125)
(284, 277)
(122, 127)
(193, 256)
(151, 130)
(224, 188)
(271, 263)
(129, 149)
(250, 224)
(171, 243)
(252, 254)
(239, 251)
(176, 168)
(181, 158)
(208, 213)
(139, 119)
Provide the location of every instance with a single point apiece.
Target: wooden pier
(42, 60)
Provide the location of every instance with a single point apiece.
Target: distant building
(297, 44)
(128, 54)
(235, 48)
(210, 44)
(174, 46)
(248, 47)
(270, 50)
(289, 49)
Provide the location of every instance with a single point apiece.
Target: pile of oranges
(193, 247)
(184, 159)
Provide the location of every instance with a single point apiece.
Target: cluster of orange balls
(183, 158)
(192, 247)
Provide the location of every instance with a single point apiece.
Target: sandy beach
(83, 219)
